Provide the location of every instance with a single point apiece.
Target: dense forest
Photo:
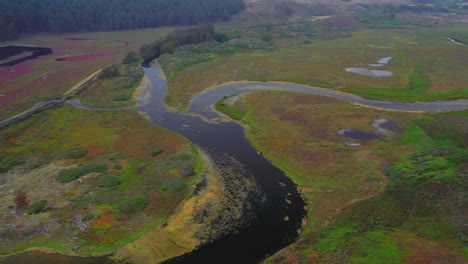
(57, 16)
(203, 32)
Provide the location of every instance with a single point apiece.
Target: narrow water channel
(270, 232)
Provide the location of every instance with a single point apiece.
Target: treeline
(57, 16)
(203, 32)
(420, 6)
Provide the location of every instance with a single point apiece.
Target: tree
(80, 15)
(110, 71)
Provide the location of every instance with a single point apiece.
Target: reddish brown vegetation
(21, 199)
(103, 222)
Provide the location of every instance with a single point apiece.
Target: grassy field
(45, 77)
(385, 201)
(426, 65)
(116, 91)
(93, 181)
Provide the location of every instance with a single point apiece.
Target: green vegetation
(68, 175)
(75, 154)
(36, 207)
(8, 163)
(417, 81)
(156, 152)
(115, 87)
(172, 186)
(131, 57)
(405, 95)
(414, 134)
(88, 217)
(424, 168)
(229, 109)
(203, 32)
(132, 204)
(107, 181)
(110, 71)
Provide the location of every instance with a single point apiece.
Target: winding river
(200, 124)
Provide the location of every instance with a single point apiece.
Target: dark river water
(269, 232)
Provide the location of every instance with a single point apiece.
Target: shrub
(37, 207)
(156, 152)
(132, 204)
(130, 57)
(122, 97)
(68, 175)
(8, 163)
(110, 71)
(87, 217)
(107, 181)
(172, 185)
(75, 154)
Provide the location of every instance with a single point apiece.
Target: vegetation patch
(36, 207)
(75, 154)
(115, 87)
(156, 152)
(132, 204)
(107, 181)
(229, 109)
(8, 163)
(102, 211)
(68, 175)
(172, 186)
(417, 81)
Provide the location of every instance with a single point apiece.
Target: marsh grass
(116, 91)
(322, 62)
